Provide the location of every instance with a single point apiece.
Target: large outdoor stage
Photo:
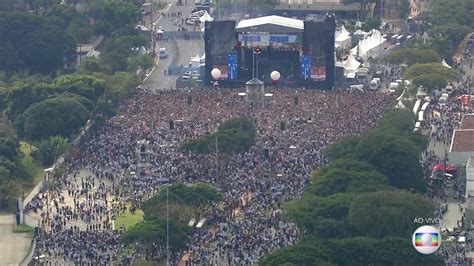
(302, 51)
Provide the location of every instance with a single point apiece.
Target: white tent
(343, 38)
(369, 46)
(400, 105)
(205, 17)
(445, 64)
(195, 61)
(351, 64)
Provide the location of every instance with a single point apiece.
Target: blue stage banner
(232, 65)
(306, 65)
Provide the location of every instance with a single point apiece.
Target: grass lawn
(23, 228)
(129, 219)
(33, 167)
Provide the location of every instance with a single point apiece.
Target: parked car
(192, 21)
(162, 53)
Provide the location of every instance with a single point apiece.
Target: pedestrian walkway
(13, 246)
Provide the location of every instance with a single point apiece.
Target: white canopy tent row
(343, 39)
(371, 46)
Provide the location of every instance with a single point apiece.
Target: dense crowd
(102, 178)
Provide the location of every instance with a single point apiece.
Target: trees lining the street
(430, 81)
(392, 149)
(411, 56)
(33, 43)
(363, 200)
(450, 21)
(52, 117)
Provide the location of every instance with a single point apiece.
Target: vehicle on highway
(162, 53)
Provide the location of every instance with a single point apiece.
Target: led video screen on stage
(317, 57)
(220, 51)
(274, 41)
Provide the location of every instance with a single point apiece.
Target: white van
(375, 84)
(162, 53)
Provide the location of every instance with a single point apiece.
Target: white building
(462, 146)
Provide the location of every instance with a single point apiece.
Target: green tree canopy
(411, 56)
(388, 213)
(49, 149)
(154, 231)
(347, 176)
(453, 31)
(372, 23)
(344, 148)
(84, 85)
(244, 124)
(430, 81)
(324, 217)
(119, 86)
(401, 122)
(233, 136)
(306, 252)
(34, 43)
(9, 148)
(432, 68)
(52, 117)
(395, 157)
(197, 196)
(115, 15)
(90, 65)
(352, 251)
(22, 96)
(442, 12)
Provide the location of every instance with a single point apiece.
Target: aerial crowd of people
(101, 179)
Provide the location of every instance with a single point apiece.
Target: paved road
(13, 246)
(179, 51)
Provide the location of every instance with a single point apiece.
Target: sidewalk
(13, 246)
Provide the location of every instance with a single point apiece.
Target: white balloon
(216, 73)
(275, 75)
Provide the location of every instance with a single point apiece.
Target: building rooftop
(320, 6)
(463, 141)
(249, 24)
(467, 121)
(470, 162)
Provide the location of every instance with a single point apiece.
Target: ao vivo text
(421, 220)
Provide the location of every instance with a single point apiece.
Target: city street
(179, 50)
